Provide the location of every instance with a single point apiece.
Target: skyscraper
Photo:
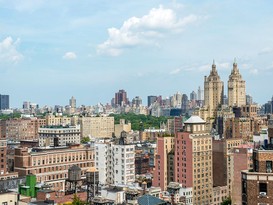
(236, 88)
(185, 103)
(213, 91)
(193, 96)
(151, 99)
(193, 160)
(72, 102)
(4, 102)
(163, 173)
(249, 100)
(121, 98)
(137, 101)
(200, 94)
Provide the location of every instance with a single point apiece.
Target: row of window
(61, 159)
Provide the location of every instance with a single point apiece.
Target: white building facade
(63, 135)
(115, 163)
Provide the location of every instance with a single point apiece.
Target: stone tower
(213, 91)
(236, 88)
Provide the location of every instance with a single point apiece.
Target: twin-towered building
(214, 90)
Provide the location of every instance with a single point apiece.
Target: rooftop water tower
(74, 177)
(92, 181)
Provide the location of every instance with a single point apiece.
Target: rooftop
(194, 120)
(150, 200)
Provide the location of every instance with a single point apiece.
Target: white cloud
(265, 50)
(175, 71)
(254, 71)
(69, 56)
(8, 50)
(225, 65)
(144, 30)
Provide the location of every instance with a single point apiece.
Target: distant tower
(72, 102)
(200, 94)
(213, 90)
(137, 101)
(185, 103)
(249, 100)
(151, 99)
(236, 88)
(4, 102)
(121, 98)
(193, 96)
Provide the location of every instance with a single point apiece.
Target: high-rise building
(72, 102)
(97, 127)
(163, 173)
(193, 96)
(185, 103)
(193, 160)
(115, 162)
(4, 102)
(176, 100)
(137, 101)
(21, 129)
(213, 91)
(3, 152)
(151, 99)
(249, 100)
(200, 94)
(236, 88)
(121, 98)
(257, 183)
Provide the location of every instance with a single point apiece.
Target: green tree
(227, 201)
(85, 140)
(140, 121)
(77, 200)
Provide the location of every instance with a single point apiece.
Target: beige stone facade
(57, 120)
(122, 126)
(236, 88)
(213, 91)
(97, 127)
(8, 198)
(220, 193)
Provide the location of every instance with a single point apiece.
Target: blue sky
(51, 50)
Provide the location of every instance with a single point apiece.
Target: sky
(90, 49)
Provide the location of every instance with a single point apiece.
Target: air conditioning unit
(262, 193)
(269, 170)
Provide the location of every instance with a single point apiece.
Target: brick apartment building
(51, 165)
(193, 160)
(257, 183)
(21, 129)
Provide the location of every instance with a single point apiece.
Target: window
(263, 189)
(268, 166)
(256, 168)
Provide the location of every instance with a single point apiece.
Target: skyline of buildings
(118, 102)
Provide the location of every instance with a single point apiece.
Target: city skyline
(50, 51)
